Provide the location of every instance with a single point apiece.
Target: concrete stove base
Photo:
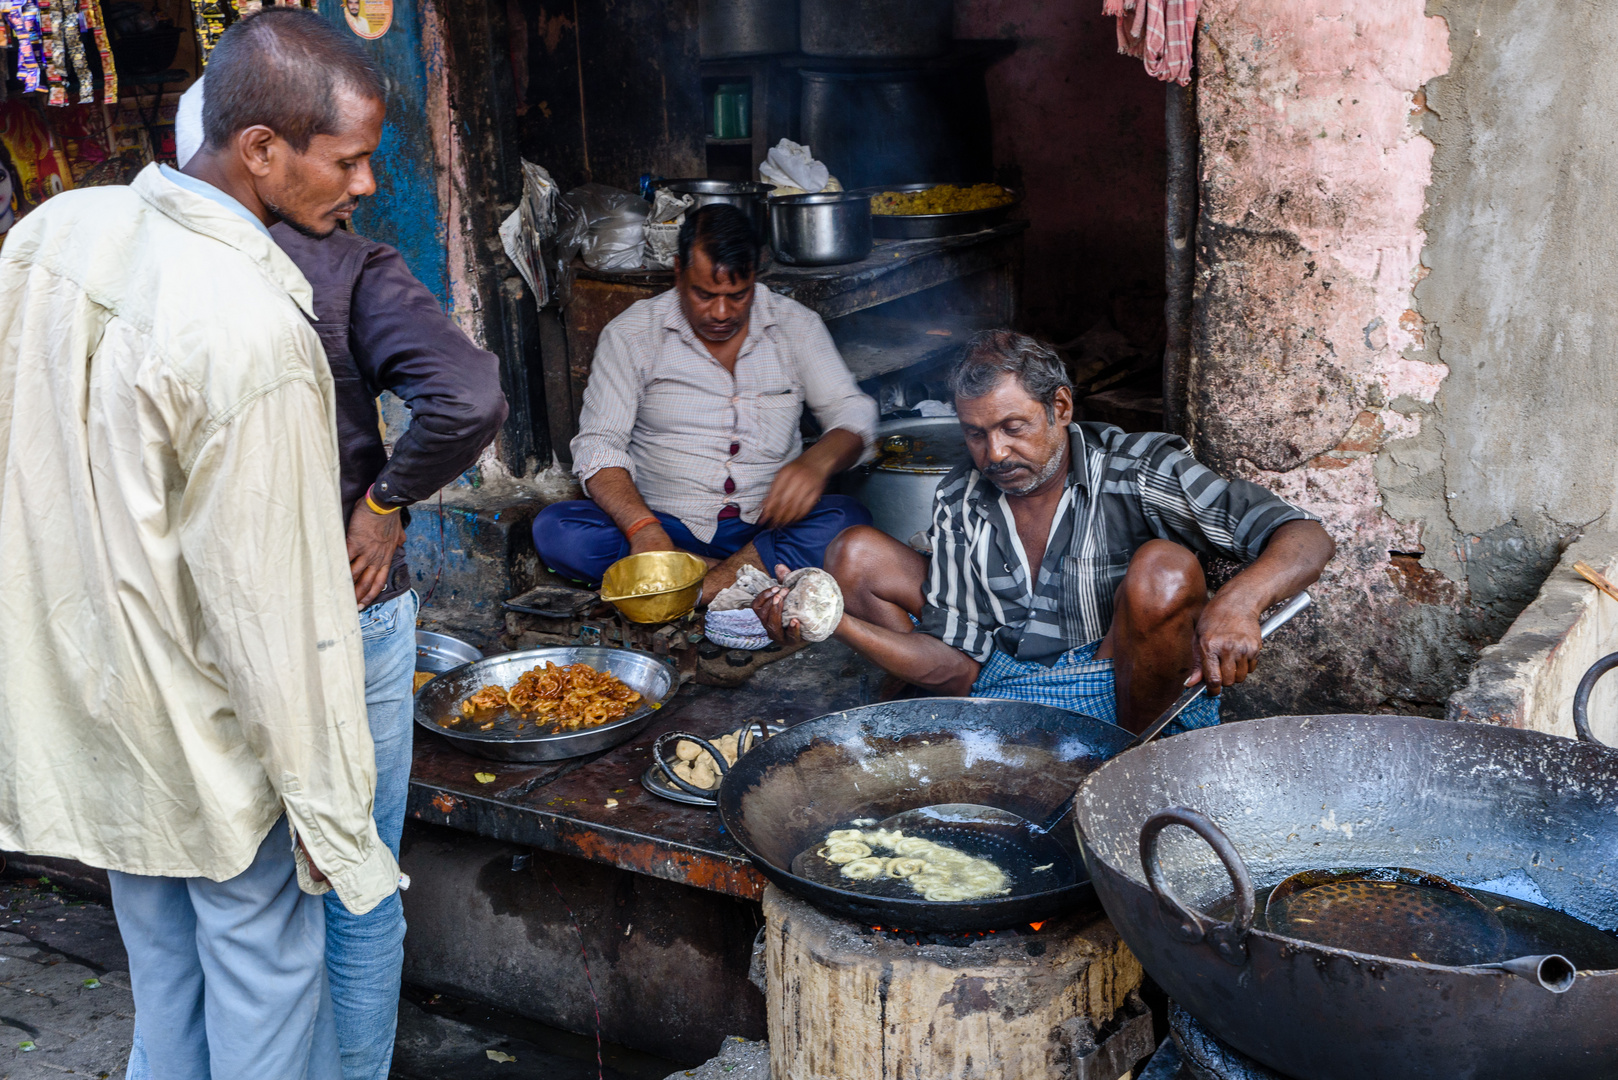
(844, 1002)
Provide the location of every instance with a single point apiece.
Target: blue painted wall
(404, 211)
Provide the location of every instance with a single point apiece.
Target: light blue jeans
(229, 976)
(365, 953)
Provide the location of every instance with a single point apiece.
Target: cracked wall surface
(1514, 459)
(1309, 358)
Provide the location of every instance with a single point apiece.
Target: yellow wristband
(375, 509)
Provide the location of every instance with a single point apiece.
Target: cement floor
(66, 1010)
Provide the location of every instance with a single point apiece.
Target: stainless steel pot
(748, 196)
(876, 28)
(912, 457)
(821, 230)
(746, 27)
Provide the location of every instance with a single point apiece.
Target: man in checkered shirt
(1117, 619)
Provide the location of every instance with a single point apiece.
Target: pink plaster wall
(1308, 355)
(1084, 127)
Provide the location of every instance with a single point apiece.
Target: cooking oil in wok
(1430, 924)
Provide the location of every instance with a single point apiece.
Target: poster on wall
(369, 19)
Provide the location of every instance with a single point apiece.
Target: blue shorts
(578, 540)
(1077, 681)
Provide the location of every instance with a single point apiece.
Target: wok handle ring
(1228, 939)
(1581, 697)
(668, 770)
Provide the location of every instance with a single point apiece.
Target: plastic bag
(604, 225)
(663, 227)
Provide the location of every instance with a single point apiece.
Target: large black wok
(879, 760)
(1472, 802)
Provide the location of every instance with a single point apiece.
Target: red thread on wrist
(629, 533)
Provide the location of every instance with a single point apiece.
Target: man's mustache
(1010, 465)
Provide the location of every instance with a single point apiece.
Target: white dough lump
(938, 873)
(814, 600)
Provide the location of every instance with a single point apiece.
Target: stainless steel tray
(655, 679)
(928, 226)
(439, 653)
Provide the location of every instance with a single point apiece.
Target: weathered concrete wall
(1528, 678)
(1307, 359)
(1514, 455)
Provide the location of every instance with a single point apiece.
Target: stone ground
(66, 1010)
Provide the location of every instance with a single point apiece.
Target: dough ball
(815, 601)
(686, 750)
(865, 869)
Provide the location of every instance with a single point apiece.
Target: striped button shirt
(1123, 490)
(696, 438)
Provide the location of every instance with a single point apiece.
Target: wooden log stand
(1060, 1004)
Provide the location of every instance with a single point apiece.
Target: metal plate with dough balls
(653, 678)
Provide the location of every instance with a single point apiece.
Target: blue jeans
(229, 976)
(365, 953)
(578, 540)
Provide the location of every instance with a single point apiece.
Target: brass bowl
(677, 575)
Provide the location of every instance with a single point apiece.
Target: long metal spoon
(970, 814)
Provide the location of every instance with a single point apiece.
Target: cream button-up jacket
(180, 657)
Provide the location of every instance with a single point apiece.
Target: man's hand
(314, 871)
(1226, 645)
(767, 606)
(651, 537)
(372, 540)
(796, 489)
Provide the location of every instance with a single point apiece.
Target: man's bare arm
(801, 482)
(1227, 639)
(615, 492)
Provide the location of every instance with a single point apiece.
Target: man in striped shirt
(1066, 559)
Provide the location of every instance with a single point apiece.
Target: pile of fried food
(571, 697)
(936, 871)
(943, 199)
(696, 766)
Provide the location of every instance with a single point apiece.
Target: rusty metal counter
(562, 806)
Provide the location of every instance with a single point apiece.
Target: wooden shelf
(744, 141)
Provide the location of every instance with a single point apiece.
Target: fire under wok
(780, 799)
(1501, 810)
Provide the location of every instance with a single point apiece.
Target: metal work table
(562, 806)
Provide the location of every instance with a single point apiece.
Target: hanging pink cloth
(1160, 32)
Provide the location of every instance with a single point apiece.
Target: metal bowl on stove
(748, 196)
(439, 653)
(654, 679)
(927, 226)
(823, 229)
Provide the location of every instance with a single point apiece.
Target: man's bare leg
(1153, 626)
(881, 578)
(722, 574)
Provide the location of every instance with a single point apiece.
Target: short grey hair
(991, 355)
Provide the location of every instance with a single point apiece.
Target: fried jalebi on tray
(490, 697)
(572, 697)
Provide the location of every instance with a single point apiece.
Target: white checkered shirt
(660, 406)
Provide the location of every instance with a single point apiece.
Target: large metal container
(746, 27)
(748, 196)
(895, 126)
(912, 457)
(823, 229)
(876, 28)
(925, 226)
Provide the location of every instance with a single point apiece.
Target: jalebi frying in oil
(574, 696)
